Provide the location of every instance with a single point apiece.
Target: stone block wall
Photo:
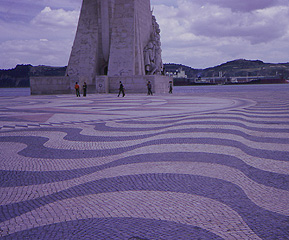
(85, 52)
(121, 60)
(105, 84)
(102, 84)
(50, 85)
(131, 28)
(138, 83)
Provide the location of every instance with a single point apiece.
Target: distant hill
(190, 72)
(236, 68)
(16, 77)
(19, 76)
(47, 71)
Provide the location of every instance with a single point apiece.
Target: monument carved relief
(153, 51)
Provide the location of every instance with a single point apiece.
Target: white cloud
(214, 21)
(242, 6)
(65, 4)
(45, 40)
(203, 33)
(35, 52)
(199, 33)
(58, 17)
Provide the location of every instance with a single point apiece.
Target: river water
(11, 92)
(231, 88)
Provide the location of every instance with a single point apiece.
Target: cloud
(164, 2)
(244, 5)
(35, 52)
(45, 40)
(207, 33)
(48, 24)
(64, 4)
(26, 10)
(18, 11)
(58, 17)
(199, 33)
(258, 26)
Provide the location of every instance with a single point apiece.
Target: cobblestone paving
(212, 163)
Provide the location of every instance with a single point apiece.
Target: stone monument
(117, 40)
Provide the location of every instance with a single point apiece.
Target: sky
(196, 33)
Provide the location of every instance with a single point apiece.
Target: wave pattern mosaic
(200, 165)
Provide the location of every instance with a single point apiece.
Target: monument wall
(138, 83)
(50, 85)
(131, 29)
(85, 51)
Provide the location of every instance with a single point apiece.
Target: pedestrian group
(77, 89)
(121, 89)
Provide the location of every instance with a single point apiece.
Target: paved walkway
(210, 164)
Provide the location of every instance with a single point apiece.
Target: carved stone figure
(153, 51)
(149, 55)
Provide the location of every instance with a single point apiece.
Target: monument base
(101, 84)
(50, 85)
(133, 84)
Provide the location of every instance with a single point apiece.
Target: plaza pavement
(212, 163)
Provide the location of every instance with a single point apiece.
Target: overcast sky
(197, 33)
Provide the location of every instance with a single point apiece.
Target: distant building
(180, 73)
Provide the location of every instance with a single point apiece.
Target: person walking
(77, 89)
(84, 87)
(149, 86)
(121, 89)
(171, 87)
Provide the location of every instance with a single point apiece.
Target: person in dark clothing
(149, 86)
(121, 89)
(171, 87)
(84, 87)
(77, 89)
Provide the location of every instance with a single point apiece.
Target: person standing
(84, 87)
(171, 87)
(149, 86)
(121, 89)
(77, 89)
